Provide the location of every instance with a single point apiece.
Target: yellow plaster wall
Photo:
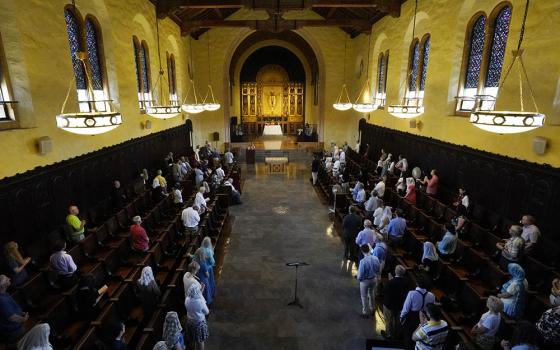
(37, 52)
(446, 21)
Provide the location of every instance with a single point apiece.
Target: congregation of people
(210, 173)
(373, 232)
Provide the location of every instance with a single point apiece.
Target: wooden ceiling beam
(274, 25)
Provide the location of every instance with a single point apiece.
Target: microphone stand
(296, 302)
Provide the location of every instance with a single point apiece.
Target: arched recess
(291, 41)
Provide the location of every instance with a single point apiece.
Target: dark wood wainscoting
(34, 203)
(505, 186)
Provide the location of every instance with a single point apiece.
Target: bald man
(75, 227)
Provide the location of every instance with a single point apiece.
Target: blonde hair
(11, 250)
(494, 304)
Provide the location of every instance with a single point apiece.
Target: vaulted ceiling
(353, 16)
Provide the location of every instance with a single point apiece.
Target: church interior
(279, 174)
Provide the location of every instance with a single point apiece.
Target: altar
(272, 130)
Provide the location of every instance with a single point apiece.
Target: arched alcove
(295, 55)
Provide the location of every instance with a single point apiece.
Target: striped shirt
(431, 335)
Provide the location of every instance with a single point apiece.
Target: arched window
(424, 67)
(93, 39)
(142, 65)
(413, 66)
(84, 39)
(172, 79)
(6, 111)
(498, 49)
(145, 66)
(383, 63)
(483, 60)
(418, 67)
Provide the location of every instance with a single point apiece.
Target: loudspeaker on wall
(216, 136)
(539, 145)
(44, 145)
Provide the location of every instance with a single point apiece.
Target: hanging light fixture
(343, 101)
(93, 122)
(209, 104)
(101, 116)
(405, 109)
(161, 108)
(370, 103)
(511, 122)
(196, 107)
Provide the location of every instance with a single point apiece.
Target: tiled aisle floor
(283, 220)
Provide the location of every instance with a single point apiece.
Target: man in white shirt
(402, 164)
(380, 188)
(371, 204)
(531, 232)
(229, 157)
(200, 201)
(342, 157)
(190, 219)
(220, 173)
(196, 154)
(177, 195)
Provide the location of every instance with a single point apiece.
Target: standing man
(396, 228)
(350, 227)
(190, 219)
(367, 275)
(314, 169)
(531, 232)
(432, 332)
(366, 236)
(394, 295)
(200, 201)
(229, 158)
(75, 226)
(416, 301)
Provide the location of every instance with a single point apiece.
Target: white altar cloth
(272, 130)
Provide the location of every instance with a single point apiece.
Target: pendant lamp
(93, 122)
(363, 103)
(195, 107)
(209, 103)
(343, 101)
(406, 109)
(511, 122)
(161, 108)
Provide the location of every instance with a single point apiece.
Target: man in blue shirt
(366, 236)
(367, 275)
(12, 317)
(396, 228)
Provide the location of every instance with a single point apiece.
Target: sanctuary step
(292, 155)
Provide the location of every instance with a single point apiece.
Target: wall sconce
(44, 145)
(146, 124)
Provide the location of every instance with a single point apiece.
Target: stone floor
(282, 219)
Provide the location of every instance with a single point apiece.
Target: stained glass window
(171, 74)
(385, 72)
(93, 55)
(425, 54)
(137, 53)
(413, 68)
(73, 30)
(498, 49)
(144, 61)
(475, 53)
(381, 75)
